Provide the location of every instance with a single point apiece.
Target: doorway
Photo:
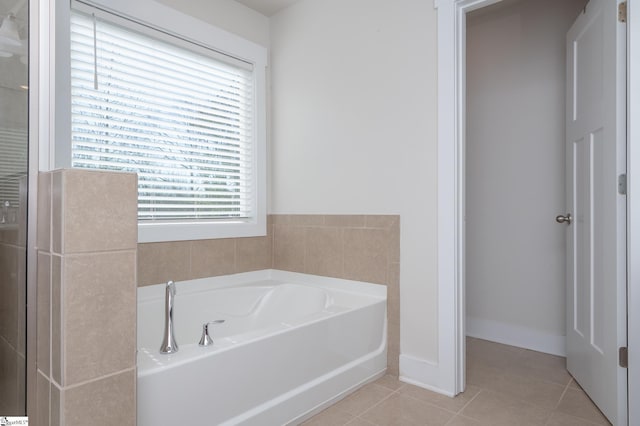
(451, 172)
(515, 172)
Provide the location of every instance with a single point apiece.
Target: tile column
(87, 244)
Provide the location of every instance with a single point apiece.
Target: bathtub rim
(154, 291)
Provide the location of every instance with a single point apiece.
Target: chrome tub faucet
(169, 344)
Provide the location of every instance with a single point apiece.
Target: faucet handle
(206, 340)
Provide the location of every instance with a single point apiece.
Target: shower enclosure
(13, 205)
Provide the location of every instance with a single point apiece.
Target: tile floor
(505, 386)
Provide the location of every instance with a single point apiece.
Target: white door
(596, 157)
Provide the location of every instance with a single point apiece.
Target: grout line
(471, 400)
(4, 340)
(94, 252)
(393, 392)
(96, 379)
(61, 319)
(49, 288)
(564, 392)
(432, 404)
(397, 392)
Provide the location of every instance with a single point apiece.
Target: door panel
(596, 140)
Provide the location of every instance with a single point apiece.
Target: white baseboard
(515, 335)
(422, 373)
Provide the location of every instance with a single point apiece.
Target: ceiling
(267, 7)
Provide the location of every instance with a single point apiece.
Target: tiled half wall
(356, 247)
(86, 298)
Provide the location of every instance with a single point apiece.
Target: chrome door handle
(564, 219)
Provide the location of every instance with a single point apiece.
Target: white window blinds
(179, 118)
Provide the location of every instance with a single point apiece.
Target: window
(181, 115)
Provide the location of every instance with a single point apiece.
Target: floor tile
(390, 382)
(461, 420)
(505, 386)
(359, 422)
(536, 392)
(550, 368)
(482, 375)
(576, 403)
(575, 385)
(492, 354)
(543, 359)
(363, 399)
(401, 410)
(452, 404)
(332, 416)
(560, 419)
(502, 410)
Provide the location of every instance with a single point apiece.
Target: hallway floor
(506, 386)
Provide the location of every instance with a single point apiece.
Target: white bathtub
(291, 344)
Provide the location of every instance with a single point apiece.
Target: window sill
(185, 231)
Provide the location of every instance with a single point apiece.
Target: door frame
(451, 197)
(452, 29)
(633, 210)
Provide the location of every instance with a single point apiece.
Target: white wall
(354, 131)
(228, 15)
(515, 259)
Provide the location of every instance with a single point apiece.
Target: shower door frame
(38, 125)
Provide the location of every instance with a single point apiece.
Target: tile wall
(86, 298)
(357, 247)
(186, 260)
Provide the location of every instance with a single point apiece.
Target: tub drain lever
(206, 340)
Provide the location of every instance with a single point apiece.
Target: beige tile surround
(357, 247)
(86, 298)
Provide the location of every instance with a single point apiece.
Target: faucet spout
(169, 344)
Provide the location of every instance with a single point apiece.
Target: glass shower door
(13, 205)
